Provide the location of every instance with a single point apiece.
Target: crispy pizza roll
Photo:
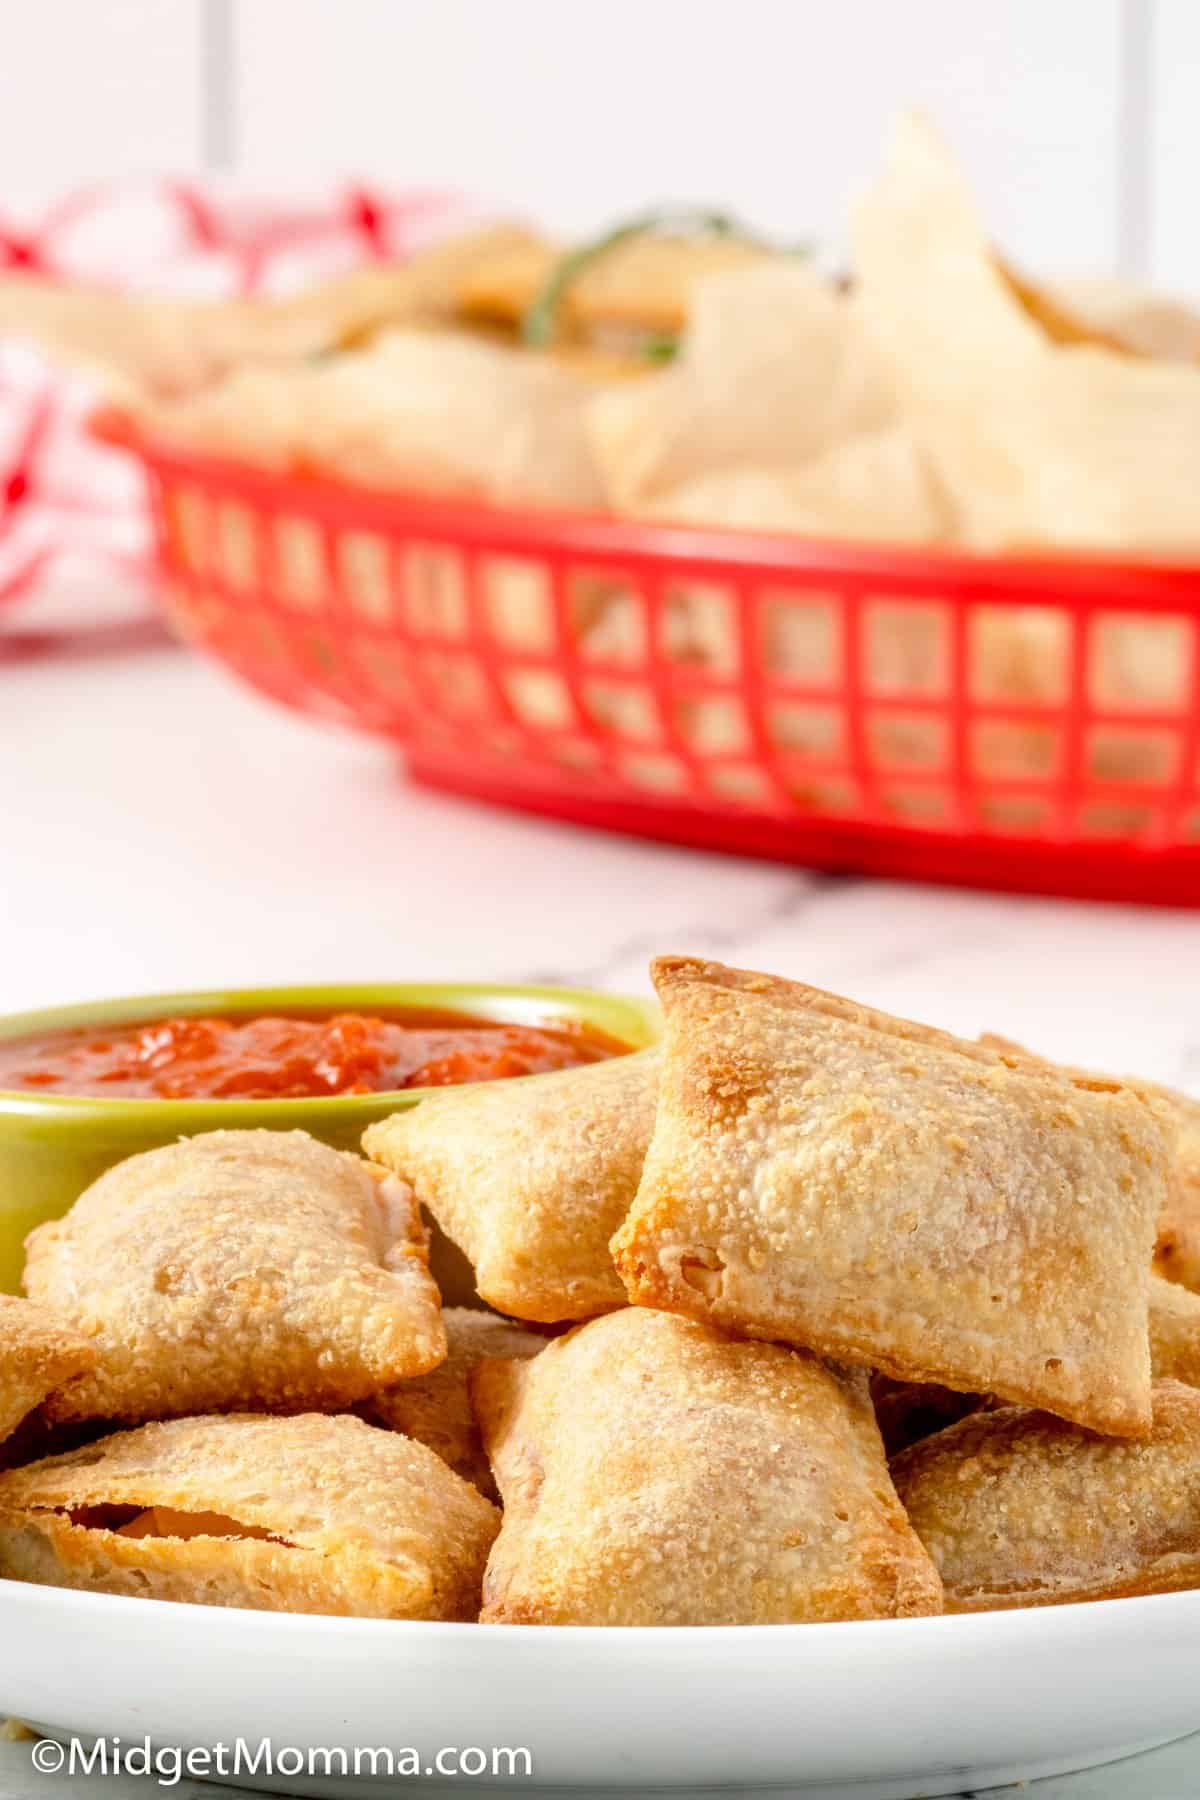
(38, 1351)
(1177, 1247)
(1177, 1251)
(1021, 1509)
(655, 1472)
(436, 1409)
(239, 1270)
(887, 1194)
(309, 1514)
(531, 1179)
(1174, 1332)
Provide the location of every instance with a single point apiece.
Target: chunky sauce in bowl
(277, 1057)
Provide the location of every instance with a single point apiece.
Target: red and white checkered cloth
(74, 530)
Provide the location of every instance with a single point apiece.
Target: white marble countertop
(163, 829)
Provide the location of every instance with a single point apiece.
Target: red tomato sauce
(286, 1058)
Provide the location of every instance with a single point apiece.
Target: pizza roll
(1177, 1251)
(1177, 1248)
(308, 1514)
(1021, 1509)
(1174, 1332)
(239, 1270)
(436, 1408)
(38, 1352)
(887, 1194)
(531, 1179)
(655, 1472)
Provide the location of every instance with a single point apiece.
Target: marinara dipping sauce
(292, 1058)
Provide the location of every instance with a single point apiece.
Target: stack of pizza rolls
(809, 1314)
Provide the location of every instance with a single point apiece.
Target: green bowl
(52, 1146)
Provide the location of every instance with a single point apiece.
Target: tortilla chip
(144, 348)
(774, 371)
(418, 410)
(879, 486)
(1133, 318)
(1037, 443)
(643, 285)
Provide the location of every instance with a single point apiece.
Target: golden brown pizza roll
(907, 1411)
(531, 1179)
(1177, 1252)
(1177, 1248)
(655, 1472)
(239, 1270)
(436, 1408)
(307, 1514)
(38, 1351)
(1174, 1332)
(887, 1194)
(1021, 1509)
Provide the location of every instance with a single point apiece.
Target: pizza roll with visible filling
(1174, 1332)
(235, 1271)
(531, 1179)
(38, 1352)
(1018, 1508)
(887, 1194)
(655, 1472)
(306, 1514)
(436, 1408)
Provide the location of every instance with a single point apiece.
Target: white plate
(890, 1709)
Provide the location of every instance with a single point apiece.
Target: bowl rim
(1067, 1621)
(634, 1019)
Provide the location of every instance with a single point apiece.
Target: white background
(1076, 117)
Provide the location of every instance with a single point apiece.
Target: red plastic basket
(1008, 723)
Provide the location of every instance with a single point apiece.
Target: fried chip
(1038, 441)
(436, 1410)
(531, 1179)
(887, 1194)
(645, 284)
(309, 1514)
(145, 348)
(876, 486)
(38, 1352)
(238, 1270)
(1021, 1509)
(774, 372)
(1132, 318)
(655, 1472)
(434, 411)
